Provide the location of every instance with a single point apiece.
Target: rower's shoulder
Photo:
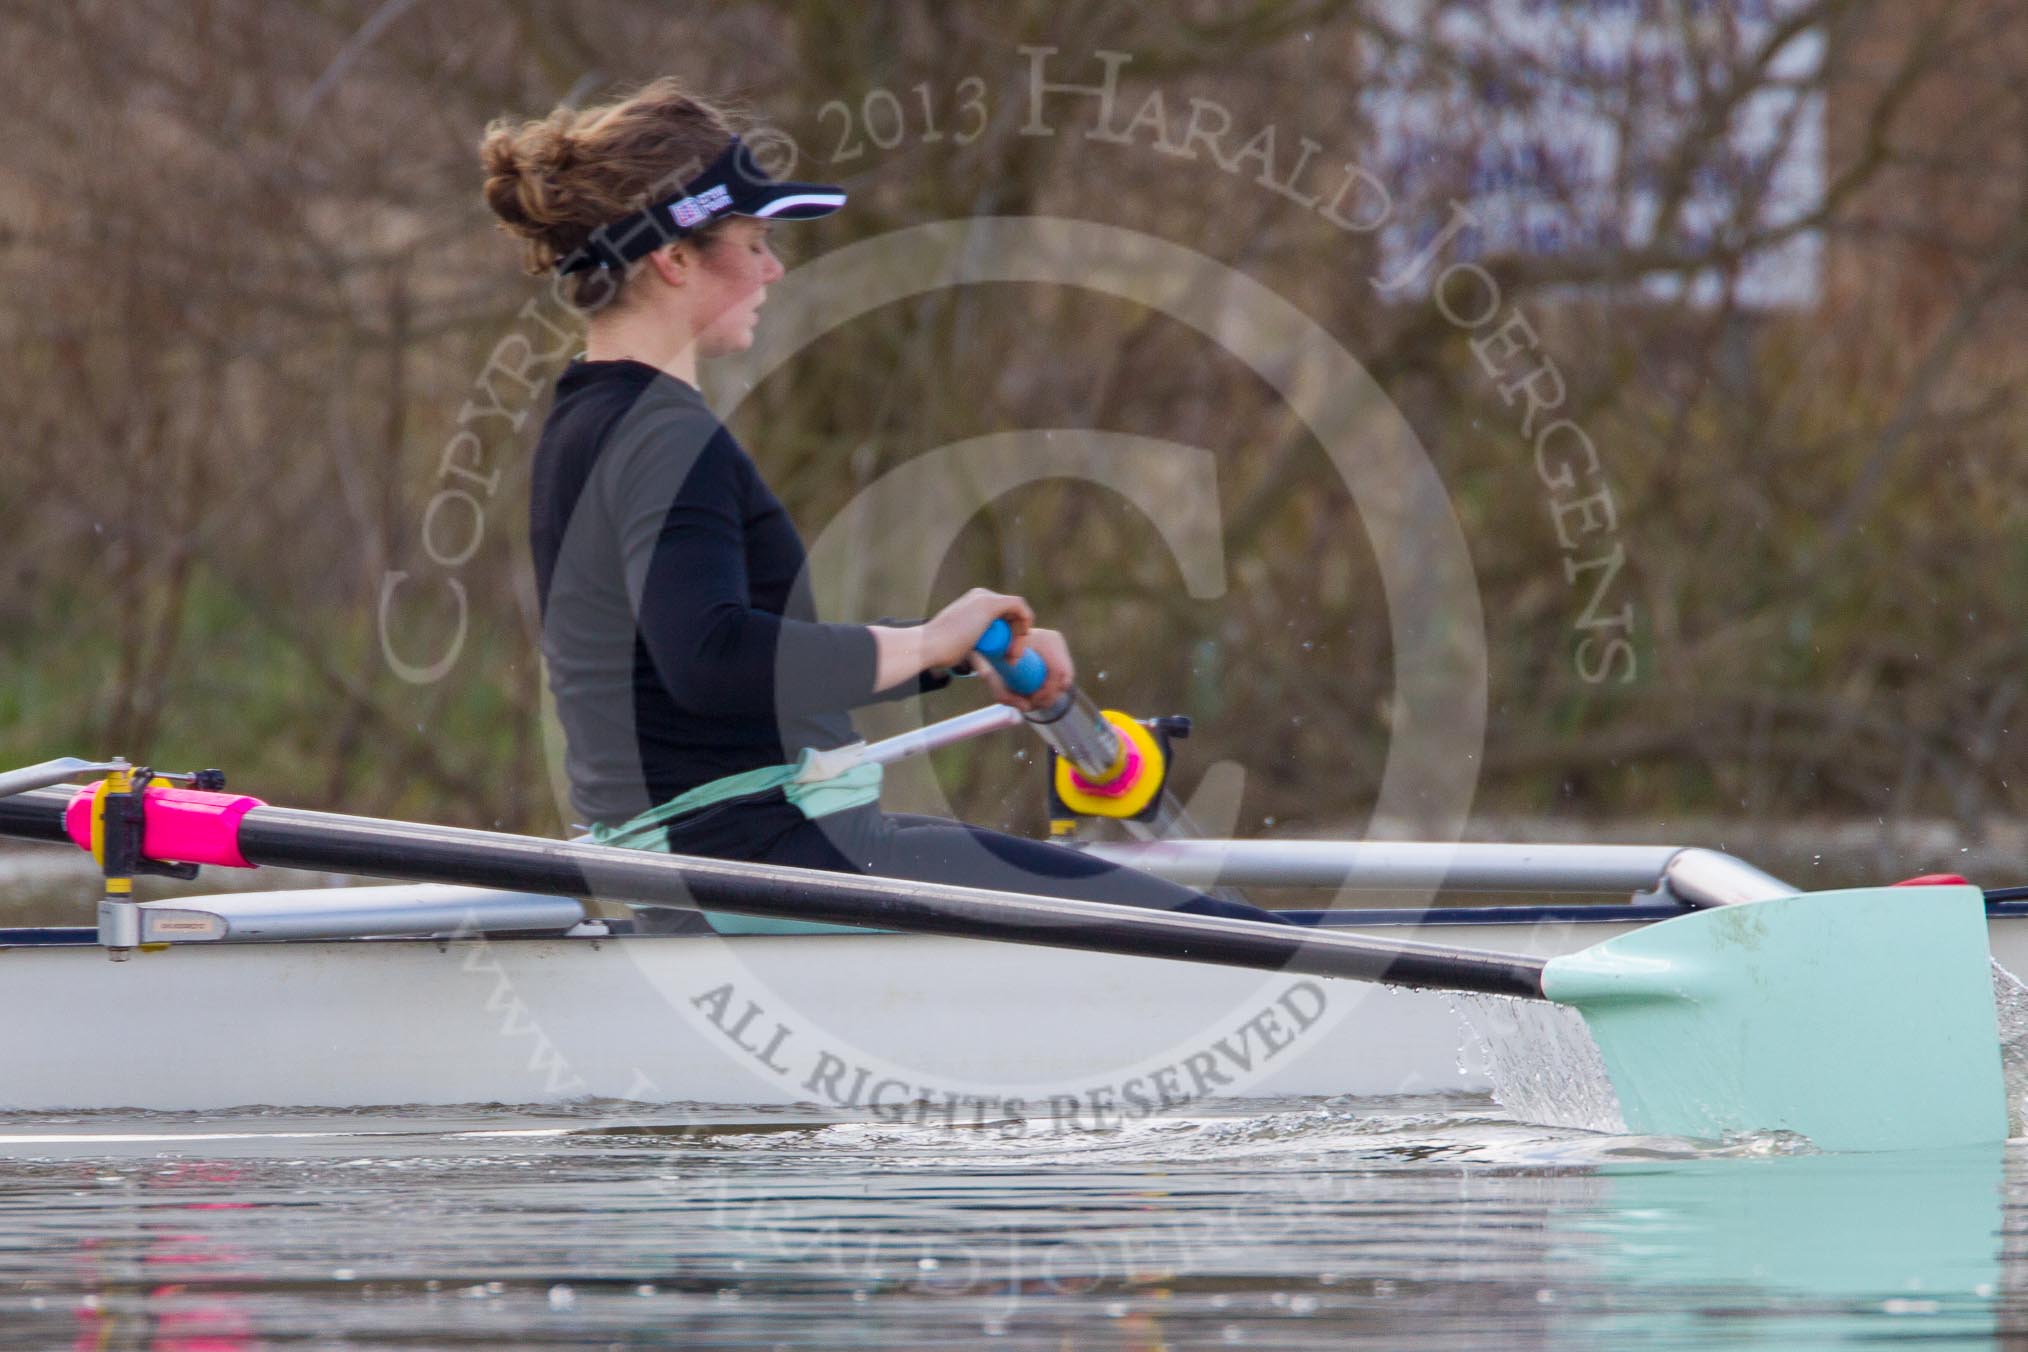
(668, 448)
(596, 400)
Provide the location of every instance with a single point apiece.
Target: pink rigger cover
(182, 826)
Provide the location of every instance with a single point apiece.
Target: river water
(1437, 1222)
(1432, 1222)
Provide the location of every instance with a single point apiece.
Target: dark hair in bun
(554, 180)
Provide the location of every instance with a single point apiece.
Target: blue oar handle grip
(1026, 674)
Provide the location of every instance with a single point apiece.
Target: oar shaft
(35, 815)
(1076, 731)
(294, 838)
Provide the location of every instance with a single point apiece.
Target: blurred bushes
(251, 289)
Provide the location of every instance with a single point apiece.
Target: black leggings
(768, 829)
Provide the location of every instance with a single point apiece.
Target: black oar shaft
(294, 838)
(36, 816)
(300, 839)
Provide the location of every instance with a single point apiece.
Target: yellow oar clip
(1132, 784)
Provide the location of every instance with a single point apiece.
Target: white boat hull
(881, 1025)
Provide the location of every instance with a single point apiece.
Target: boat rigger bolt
(116, 842)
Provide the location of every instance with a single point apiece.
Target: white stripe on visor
(830, 201)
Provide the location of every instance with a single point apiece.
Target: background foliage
(250, 287)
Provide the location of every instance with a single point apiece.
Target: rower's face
(737, 266)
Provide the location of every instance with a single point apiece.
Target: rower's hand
(1055, 654)
(948, 637)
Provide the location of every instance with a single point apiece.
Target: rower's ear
(673, 263)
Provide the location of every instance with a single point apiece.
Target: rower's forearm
(898, 655)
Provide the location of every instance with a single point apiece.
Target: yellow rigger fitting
(1154, 772)
(119, 780)
(116, 781)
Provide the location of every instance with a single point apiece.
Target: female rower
(690, 674)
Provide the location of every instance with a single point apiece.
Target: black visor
(731, 185)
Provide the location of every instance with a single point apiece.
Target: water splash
(2010, 1003)
(1543, 1064)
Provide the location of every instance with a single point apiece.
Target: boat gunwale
(1576, 913)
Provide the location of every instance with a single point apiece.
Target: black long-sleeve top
(678, 631)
